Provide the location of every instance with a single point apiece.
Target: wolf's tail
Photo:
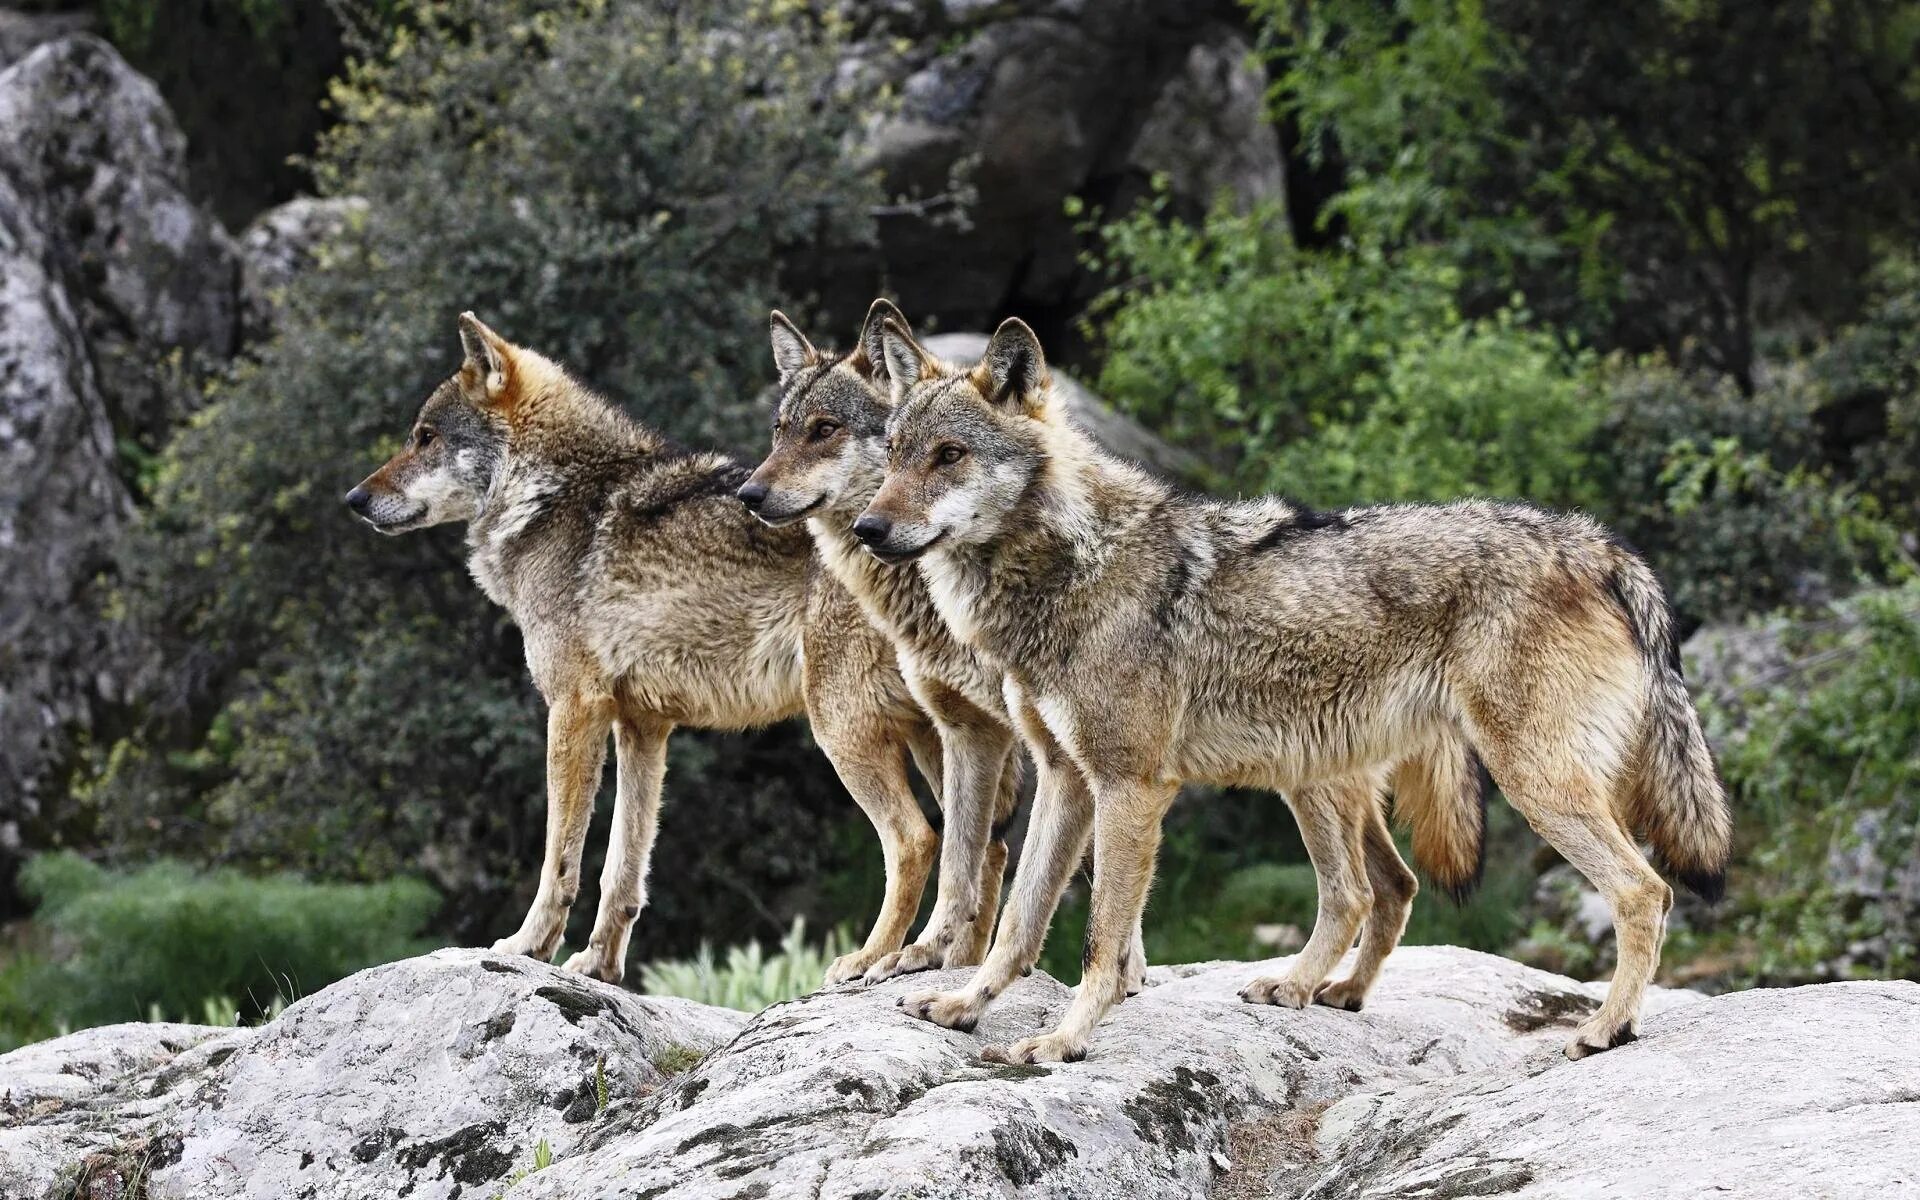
(1441, 796)
(1676, 800)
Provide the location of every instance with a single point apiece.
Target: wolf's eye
(422, 438)
(822, 430)
(950, 454)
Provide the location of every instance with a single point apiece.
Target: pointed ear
(490, 359)
(872, 348)
(906, 363)
(791, 349)
(1013, 371)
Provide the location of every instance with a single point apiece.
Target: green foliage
(1339, 378)
(1640, 170)
(749, 979)
(611, 184)
(1825, 766)
(166, 942)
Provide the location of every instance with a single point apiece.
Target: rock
(281, 243)
(1007, 109)
(1775, 1093)
(439, 1076)
(112, 280)
(1119, 433)
(431, 1078)
(98, 160)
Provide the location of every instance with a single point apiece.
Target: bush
(1340, 379)
(611, 184)
(750, 979)
(1825, 768)
(166, 940)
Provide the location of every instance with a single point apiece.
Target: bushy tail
(1676, 801)
(1441, 796)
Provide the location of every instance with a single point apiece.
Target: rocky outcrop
(280, 244)
(1007, 109)
(443, 1076)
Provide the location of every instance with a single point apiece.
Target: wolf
(1151, 637)
(649, 599)
(827, 462)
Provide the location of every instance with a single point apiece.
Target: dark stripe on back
(1299, 523)
(723, 480)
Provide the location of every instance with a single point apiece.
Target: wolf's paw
(919, 956)
(1047, 1048)
(596, 963)
(1349, 994)
(1286, 993)
(1599, 1033)
(849, 967)
(532, 946)
(955, 1010)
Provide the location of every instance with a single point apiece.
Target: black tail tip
(1710, 886)
(1461, 891)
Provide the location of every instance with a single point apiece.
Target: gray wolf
(648, 600)
(1151, 637)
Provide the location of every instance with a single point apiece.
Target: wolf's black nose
(872, 530)
(752, 495)
(358, 499)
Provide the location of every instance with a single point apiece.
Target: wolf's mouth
(777, 520)
(382, 523)
(894, 558)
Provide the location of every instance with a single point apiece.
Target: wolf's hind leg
(1333, 818)
(576, 750)
(1393, 891)
(1575, 817)
(640, 756)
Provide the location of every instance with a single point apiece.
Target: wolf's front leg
(640, 754)
(1126, 836)
(873, 769)
(1057, 837)
(576, 750)
(974, 759)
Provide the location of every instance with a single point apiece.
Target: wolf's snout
(358, 499)
(871, 529)
(752, 494)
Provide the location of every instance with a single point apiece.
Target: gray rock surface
(1113, 429)
(439, 1076)
(20, 32)
(111, 280)
(281, 243)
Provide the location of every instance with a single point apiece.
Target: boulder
(444, 1076)
(281, 243)
(111, 281)
(20, 32)
(1005, 110)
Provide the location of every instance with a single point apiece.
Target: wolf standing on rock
(648, 599)
(1151, 637)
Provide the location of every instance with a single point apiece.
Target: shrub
(170, 941)
(749, 979)
(1336, 378)
(611, 184)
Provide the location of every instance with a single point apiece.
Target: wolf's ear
(906, 363)
(489, 367)
(1013, 371)
(791, 349)
(873, 350)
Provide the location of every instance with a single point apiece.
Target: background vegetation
(1659, 261)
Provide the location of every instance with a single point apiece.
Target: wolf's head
(443, 471)
(830, 429)
(964, 445)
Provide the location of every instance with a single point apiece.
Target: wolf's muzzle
(359, 499)
(753, 495)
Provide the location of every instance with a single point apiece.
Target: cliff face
(444, 1076)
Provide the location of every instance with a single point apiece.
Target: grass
(748, 978)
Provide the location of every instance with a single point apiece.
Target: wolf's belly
(704, 662)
